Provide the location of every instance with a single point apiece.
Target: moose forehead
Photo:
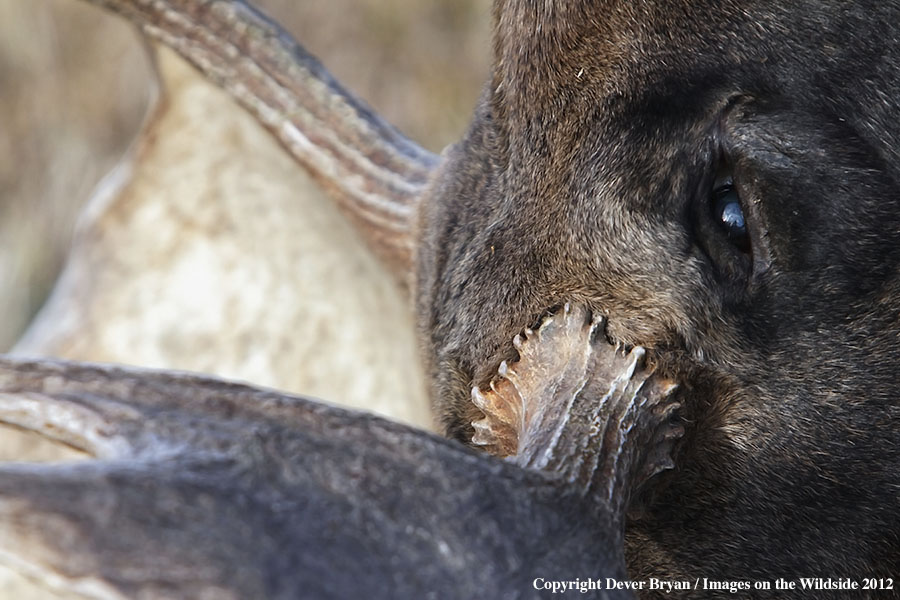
(554, 55)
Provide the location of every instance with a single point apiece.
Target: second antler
(375, 174)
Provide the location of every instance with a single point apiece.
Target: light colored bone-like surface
(529, 402)
(220, 255)
(373, 172)
(579, 407)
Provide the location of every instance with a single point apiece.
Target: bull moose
(657, 277)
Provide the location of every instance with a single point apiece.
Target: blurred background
(75, 85)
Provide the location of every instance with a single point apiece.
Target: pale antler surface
(374, 172)
(209, 250)
(575, 405)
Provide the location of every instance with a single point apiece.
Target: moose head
(719, 180)
(713, 187)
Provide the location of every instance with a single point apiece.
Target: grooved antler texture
(583, 409)
(206, 489)
(373, 171)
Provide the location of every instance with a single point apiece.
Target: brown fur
(586, 176)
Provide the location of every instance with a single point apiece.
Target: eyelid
(724, 176)
(755, 224)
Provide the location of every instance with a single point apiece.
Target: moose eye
(727, 212)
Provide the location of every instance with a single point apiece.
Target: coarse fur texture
(586, 176)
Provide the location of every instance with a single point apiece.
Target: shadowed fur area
(586, 176)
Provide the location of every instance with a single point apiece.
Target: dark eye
(727, 212)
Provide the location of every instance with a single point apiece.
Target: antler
(575, 405)
(199, 488)
(375, 173)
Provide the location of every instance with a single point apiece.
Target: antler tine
(375, 174)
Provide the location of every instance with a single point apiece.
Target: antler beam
(375, 173)
(201, 488)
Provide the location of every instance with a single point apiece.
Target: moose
(655, 284)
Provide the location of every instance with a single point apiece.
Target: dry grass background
(74, 84)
